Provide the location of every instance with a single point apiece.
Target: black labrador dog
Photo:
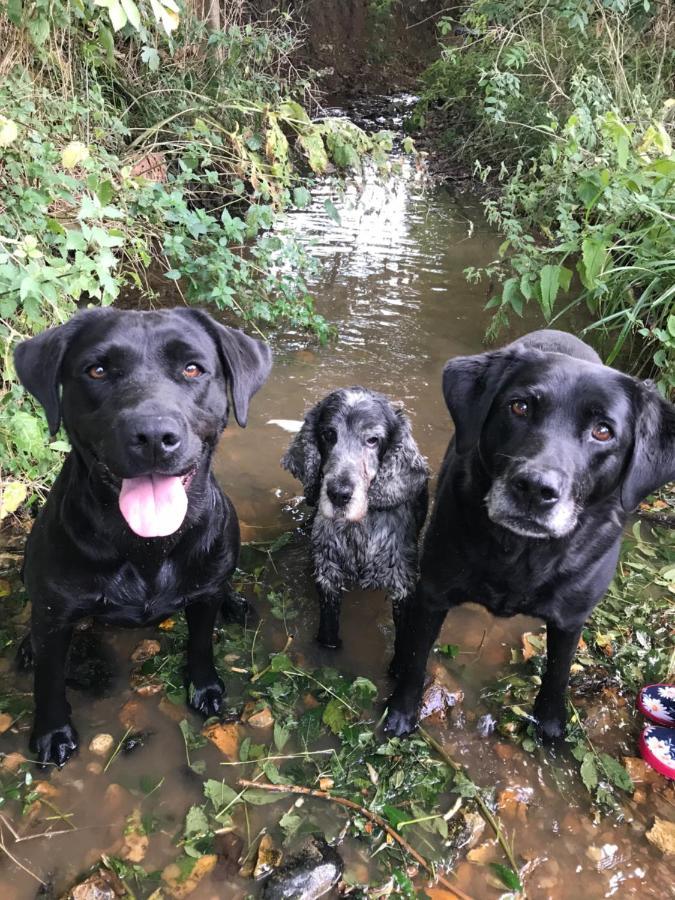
(135, 527)
(552, 451)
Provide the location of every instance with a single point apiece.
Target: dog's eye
(192, 370)
(96, 372)
(519, 408)
(329, 435)
(602, 432)
(372, 441)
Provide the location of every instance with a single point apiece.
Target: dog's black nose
(339, 494)
(538, 488)
(154, 438)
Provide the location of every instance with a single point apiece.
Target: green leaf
(281, 736)
(507, 876)
(331, 210)
(312, 146)
(616, 773)
(395, 816)
(589, 772)
(334, 716)
(105, 192)
(293, 111)
(196, 821)
(301, 197)
(593, 260)
(150, 57)
(132, 13)
(549, 279)
(219, 793)
(262, 798)
(14, 10)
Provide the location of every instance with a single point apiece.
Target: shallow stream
(391, 282)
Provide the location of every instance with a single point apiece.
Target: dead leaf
(177, 886)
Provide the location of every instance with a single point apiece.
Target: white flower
(667, 691)
(662, 750)
(652, 705)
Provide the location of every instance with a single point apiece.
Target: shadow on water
(391, 281)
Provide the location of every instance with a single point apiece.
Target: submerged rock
(438, 700)
(309, 874)
(102, 885)
(662, 836)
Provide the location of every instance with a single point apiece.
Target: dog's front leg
(549, 707)
(400, 606)
(53, 738)
(420, 629)
(330, 606)
(206, 690)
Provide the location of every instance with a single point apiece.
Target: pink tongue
(153, 505)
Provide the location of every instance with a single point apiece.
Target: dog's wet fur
(143, 397)
(359, 465)
(552, 451)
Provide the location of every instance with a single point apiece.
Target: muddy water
(391, 282)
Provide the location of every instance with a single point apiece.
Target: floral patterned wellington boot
(657, 748)
(657, 702)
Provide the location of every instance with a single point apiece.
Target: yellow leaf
(13, 495)
(75, 153)
(167, 13)
(8, 131)
(167, 625)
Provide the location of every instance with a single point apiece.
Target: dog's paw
(208, 699)
(55, 747)
(238, 610)
(331, 641)
(551, 722)
(401, 719)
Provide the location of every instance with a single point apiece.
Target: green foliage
(566, 107)
(151, 161)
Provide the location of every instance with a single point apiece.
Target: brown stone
(135, 840)
(178, 887)
(513, 802)
(263, 718)
(640, 772)
(484, 853)
(46, 789)
(662, 836)
(438, 700)
(5, 722)
(12, 761)
(133, 715)
(102, 885)
(145, 650)
(102, 744)
(145, 686)
(172, 710)
(225, 737)
(115, 797)
(269, 857)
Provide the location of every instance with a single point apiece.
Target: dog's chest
(132, 596)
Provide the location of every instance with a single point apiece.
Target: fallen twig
(666, 520)
(373, 817)
(16, 862)
(485, 810)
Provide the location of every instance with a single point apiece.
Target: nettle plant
(592, 220)
(161, 172)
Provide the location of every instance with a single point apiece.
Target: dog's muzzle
(533, 502)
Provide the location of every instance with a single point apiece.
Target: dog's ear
(303, 459)
(38, 364)
(403, 470)
(246, 361)
(652, 462)
(470, 384)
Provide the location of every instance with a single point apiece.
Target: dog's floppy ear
(470, 384)
(652, 462)
(246, 361)
(303, 459)
(403, 470)
(38, 364)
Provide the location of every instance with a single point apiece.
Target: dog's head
(355, 451)
(557, 433)
(144, 397)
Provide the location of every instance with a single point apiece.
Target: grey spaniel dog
(360, 467)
